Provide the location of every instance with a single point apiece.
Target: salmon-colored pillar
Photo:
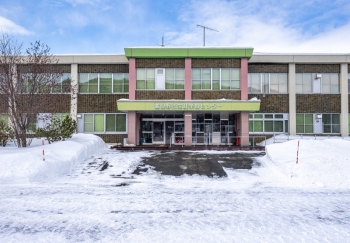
(244, 116)
(132, 116)
(188, 78)
(188, 128)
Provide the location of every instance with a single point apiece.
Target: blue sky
(107, 26)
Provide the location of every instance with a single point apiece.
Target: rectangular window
(325, 83)
(268, 83)
(268, 123)
(145, 78)
(105, 123)
(331, 123)
(63, 84)
(104, 83)
(174, 78)
(215, 78)
(304, 123)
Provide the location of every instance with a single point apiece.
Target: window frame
(213, 80)
(125, 83)
(323, 83)
(264, 83)
(264, 118)
(104, 123)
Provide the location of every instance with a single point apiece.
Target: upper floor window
(325, 83)
(104, 83)
(268, 83)
(160, 78)
(215, 78)
(30, 85)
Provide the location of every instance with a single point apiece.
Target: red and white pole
(43, 142)
(298, 152)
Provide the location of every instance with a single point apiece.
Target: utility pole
(204, 27)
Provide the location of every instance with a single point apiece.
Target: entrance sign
(189, 105)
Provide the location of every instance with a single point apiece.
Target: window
(215, 78)
(304, 123)
(325, 83)
(145, 78)
(105, 123)
(104, 83)
(174, 78)
(268, 123)
(268, 83)
(331, 123)
(63, 84)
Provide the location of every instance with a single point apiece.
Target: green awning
(188, 105)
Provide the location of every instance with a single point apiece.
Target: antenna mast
(204, 27)
(162, 45)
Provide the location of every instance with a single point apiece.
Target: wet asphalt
(180, 163)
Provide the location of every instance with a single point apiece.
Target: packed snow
(73, 197)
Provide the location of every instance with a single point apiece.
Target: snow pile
(323, 163)
(22, 165)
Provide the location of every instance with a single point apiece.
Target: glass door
(158, 132)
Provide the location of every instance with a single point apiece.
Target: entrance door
(158, 132)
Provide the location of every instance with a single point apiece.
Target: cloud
(83, 2)
(267, 26)
(10, 27)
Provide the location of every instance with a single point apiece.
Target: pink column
(188, 128)
(132, 79)
(132, 131)
(244, 79)
(188, 78)
(244, 116)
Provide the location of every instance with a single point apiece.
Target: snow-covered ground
(69, 198)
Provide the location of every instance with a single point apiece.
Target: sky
(108, 26)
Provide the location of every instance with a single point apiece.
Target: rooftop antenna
(204, 27)
(162, 45)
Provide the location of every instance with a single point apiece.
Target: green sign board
(171, 105)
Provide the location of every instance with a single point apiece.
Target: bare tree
(26, 81)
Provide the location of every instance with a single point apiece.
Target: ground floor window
(105, 123)
(268, 123)
(318, 123)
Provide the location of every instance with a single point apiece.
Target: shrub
(5, 133)
(57, 130)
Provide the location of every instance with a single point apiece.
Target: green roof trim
(183, 52)
(188, 105)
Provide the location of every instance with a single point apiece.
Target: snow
(21, 165)
(70, 198)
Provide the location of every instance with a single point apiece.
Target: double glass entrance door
(158, 132)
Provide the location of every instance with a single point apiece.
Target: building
(204, 95)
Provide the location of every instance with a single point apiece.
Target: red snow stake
(298, 152)
(42, 141)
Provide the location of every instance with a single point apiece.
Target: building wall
(216, 63)
(103, 68)
(3, 105)
(58, 68)
(99, 103)
(318, 103)
(112, 138)
(160, 94)
(55, 103)
(160, 63)
(272, 103)
(317, 68)
(267, 68)
(216, 94)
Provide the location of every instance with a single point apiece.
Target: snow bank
(323, 163)
(22, 165)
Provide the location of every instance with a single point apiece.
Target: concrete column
(292, 100)
(188, 128)
(244, 79)
(74, 94)
(344, 126)
(188, 78)
(132, 79)
(132, 127)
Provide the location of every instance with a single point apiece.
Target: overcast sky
(107, 26)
